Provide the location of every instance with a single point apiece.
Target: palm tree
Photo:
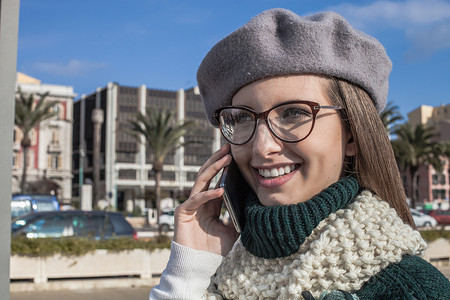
(29, 114)
(162, 135)
(415, 147)
(389, 116)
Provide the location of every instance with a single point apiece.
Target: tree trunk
(24, 170)
(158, 197)
(413, 174)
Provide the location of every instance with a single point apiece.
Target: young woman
(297, 98)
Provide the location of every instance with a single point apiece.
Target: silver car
(423, 220)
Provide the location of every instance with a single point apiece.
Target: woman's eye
(243, 117)
(295, 113)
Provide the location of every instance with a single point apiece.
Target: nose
(264, 142)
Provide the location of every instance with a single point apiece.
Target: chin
(275, 201)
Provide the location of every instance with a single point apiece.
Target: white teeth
(276, 172)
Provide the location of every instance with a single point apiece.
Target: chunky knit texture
(411, 278)
(278, 231)
(343, 252)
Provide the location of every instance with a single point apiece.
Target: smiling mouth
(276, 172)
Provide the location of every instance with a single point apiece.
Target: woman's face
(314, 163)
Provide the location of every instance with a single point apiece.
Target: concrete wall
(100, 263)
(9, 23)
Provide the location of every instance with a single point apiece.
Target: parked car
(22, 204)
(74, 223)
(167, 220)
(423, 220)
(442, 216)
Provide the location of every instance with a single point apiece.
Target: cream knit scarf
(342, 253)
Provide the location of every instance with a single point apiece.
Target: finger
(193, 203)
(204, 179)
(230, 226)
(215, 157)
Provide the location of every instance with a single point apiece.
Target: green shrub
(79, 246)
(434, 234)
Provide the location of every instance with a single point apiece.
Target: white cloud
(425, 23)
(73, 68)
(426, 41)
(396, 14)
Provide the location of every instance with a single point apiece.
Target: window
(15, 160)
(191, 176)
(127, 174)
(20, 207)
(168, 175)
(50, 226)
(57, 109)
(120, 226)
(438, 194)
(434, 179)
(55, 137)
(99, 226)
(54, 161)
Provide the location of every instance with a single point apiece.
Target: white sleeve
(187, 275)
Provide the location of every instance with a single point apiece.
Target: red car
(442, 216)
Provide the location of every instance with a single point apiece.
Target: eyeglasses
(290, 122)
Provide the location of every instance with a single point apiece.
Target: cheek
(241, 155)
(325, 151)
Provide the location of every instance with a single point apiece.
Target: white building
(50, 155)
(126, 174)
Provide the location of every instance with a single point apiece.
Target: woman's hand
(197, 223)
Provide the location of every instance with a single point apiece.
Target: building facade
(125, 164)
(433, 187)
(50, 155)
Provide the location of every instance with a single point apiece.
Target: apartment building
(433, 187)
(50, 155)
(125, 164)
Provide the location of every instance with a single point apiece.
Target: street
(90, 294)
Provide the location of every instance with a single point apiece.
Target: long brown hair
(374, 165)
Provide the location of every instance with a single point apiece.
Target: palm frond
(160, 131)
(389, 116)
(30, 113)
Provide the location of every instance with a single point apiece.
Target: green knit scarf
(278, 231)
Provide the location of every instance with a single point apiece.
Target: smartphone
(235, 192)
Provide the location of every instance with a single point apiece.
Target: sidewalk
(129, 293)
(70, 285)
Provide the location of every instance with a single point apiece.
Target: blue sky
(160, 43)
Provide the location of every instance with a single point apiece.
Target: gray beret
(279, 42)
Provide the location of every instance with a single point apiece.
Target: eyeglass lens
(290, 122)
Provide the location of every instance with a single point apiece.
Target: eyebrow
(285, 101)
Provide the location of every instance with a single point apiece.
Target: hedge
(434, 234)
(80, 246)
